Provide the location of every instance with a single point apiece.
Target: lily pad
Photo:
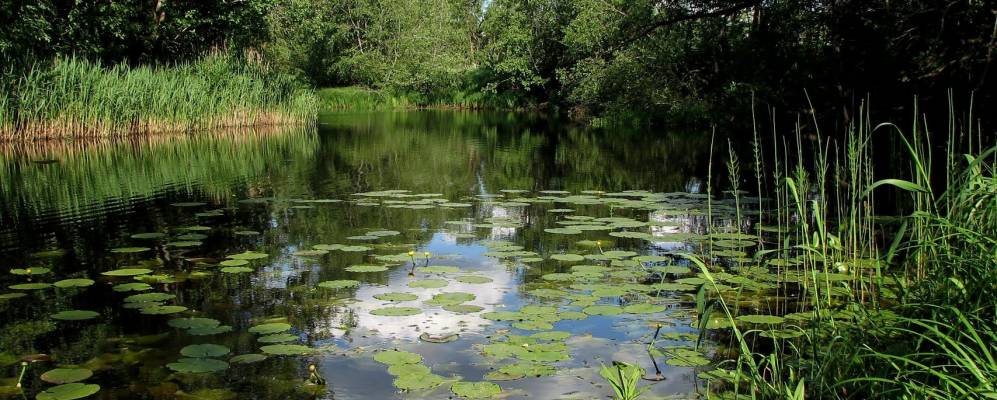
(69, 391)
(438, 269)
(30, 286)
(190, 323)
(442, 338)
(198, 365)
(61, 376)
(11, 296)
(233, 263)
(30, 271)
(162, 310)
(271, 328)
(147, 297)
(463, 308)
(602, 310)
(396, 296)
(148, 235)
(418, 382)
(249, 255)
(644, 308)
(474, 279)
(78, 282)
(339, 284)
(236, 270)
(286, 349)
(567, 257)
(450, 298)
(366, 268)
(761, 319)
(127, 272)
(395, 311)
(75, 315)
(476, 390)
(204, 350)
(395, 357)
(428, 283)
(278, 338)
(408, 369)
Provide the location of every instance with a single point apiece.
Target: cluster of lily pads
(411, 374)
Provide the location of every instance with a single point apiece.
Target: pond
(398, 253)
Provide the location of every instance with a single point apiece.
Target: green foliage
(624, 379)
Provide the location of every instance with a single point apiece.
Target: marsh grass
(76, 98)
(910, 312)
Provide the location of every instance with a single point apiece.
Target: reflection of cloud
(434, 319)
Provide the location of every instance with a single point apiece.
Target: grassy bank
(360, 98)
(866, 307)
(73, 98)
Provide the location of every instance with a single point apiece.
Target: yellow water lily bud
(411, 253)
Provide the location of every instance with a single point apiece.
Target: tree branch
(647, 30)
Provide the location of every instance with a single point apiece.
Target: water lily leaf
(531, 325)
(396, 296)
(61, 376)
(339, 284)
(395, 357)
(11, 296)
(475, 390)
(236, 270)
(567, 257)
(463, 308)
(474, 279)
(209, 330)
(148, 235)
(78, 282)
(247, 358)
(75, 315)
(441, 338)
(450, 298)
(355, 249)
(428, 283)
(408, 369)
(127, 272)
(130, 250)
(189, 323)
(782, 333)
(161, 309)
(310, 253)
(249, 255)
(69, 391)
(278, 338)
(524, 369)
(366, 268)
(233, 263)
(198, 365)
(30, 286)
(286, 349)
(563, 231)
(146, 297)
(30, 271)
(556, 336)
(395, 311)
(438, 269)
(602, 310)
(204, 350)
(418, 382)
(269, 329)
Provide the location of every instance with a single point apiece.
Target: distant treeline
(622, 60)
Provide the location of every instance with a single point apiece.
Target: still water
(535, 250)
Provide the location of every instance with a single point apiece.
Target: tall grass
(72, 97)
(357, 98)
(894, 307)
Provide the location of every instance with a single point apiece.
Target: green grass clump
(72, 98)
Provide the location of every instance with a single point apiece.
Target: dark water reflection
(65, 207)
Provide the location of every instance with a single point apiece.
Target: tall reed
(73, 98)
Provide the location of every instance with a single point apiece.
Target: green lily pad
(269, 329)
(236, 270)
(395, 357)
(474, 279)
(567, 257)
(339, 284)
(190, 323)
(30, 271)
(127, 272)
(463, 308)
(233, 263)
(602, 310)
(475, 390)
(147, 297)
(396, 296)
(395, 311)
(69, 391)
(78, 282)
(209, 330)
(531, 325)
(563, 231)
(310, 253)
(162, 310)
(204, 350)
(30, 286)
(521, 370)
(247, 358)
(75, 315)
(366, 268)
(148, 235)
(11, 296)
(443, 338)
(198, 365)
(61, 376)
(428, 283)
(246, 233)
(286, 349)
(782, 333)
(130, 250)
(450, 298)
(418, 382)
(408, 369)
(551, 335)
(278, 338)
(249, 255)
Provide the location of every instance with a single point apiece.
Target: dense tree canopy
(628, 59)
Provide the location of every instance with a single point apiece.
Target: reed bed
(76, 98)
